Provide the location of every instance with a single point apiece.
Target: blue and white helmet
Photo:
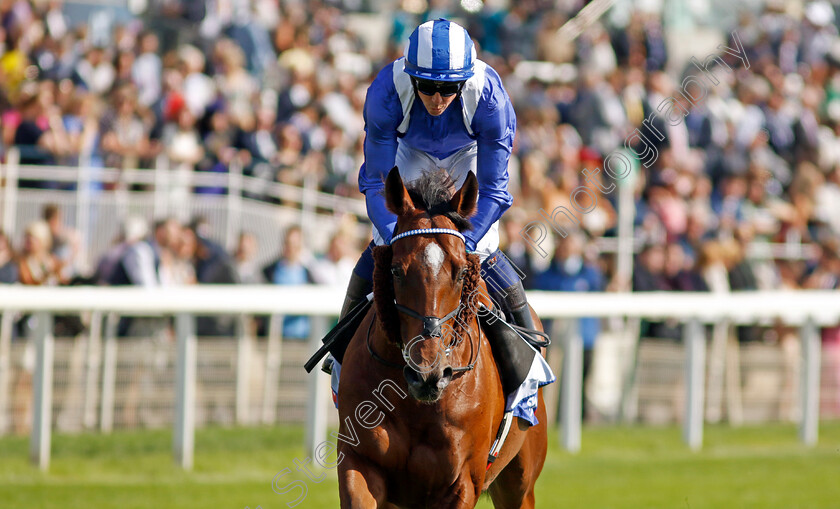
(440, 50)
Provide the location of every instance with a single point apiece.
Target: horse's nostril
(445, 379)
(412, 377)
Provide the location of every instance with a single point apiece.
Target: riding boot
(515, 349)
(516, 306)
(357, 292)
(513, 355)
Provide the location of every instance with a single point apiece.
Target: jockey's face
(437, 102)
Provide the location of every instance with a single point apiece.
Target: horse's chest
(444, 445)
(432, 465)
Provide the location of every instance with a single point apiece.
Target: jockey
(439, 107)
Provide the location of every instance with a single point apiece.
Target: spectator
(199, 89)
(742, 277)
(64, 242)
(213, 265)
(125, 138)
(570, 272)
(336, 266)
(180, 270)
(679, 274)
(135, 257)
(245, 257)
(36, 264)
(147, 70)
(184, 150)
(712, 263)
(289, 269)
(94, 71)
(649, 276)
(132, 263)
(238, 88)
(182, 141)
(520, 253)
(8, 267)
(170, 245)
(219, 150)
(39, 132)
(81, 125)
(826, 274)
(14, 59)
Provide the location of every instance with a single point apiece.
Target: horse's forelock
(432, 192)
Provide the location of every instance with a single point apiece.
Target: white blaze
(434, 256)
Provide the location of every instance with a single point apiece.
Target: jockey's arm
(382, 116)
(495, 126)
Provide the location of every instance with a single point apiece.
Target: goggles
(444, 88)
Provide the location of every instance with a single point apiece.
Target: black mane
(432, 192)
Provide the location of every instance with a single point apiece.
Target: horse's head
(424, 277)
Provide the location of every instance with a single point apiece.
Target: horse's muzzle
(427, 387)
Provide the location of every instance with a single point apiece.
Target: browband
(423, 231)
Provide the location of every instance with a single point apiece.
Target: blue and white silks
(482, 116)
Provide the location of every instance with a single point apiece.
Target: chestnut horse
(429, 449)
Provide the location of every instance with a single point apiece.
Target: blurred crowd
(276, 90)
(170, 253)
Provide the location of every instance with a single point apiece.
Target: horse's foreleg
(514, 486)
(463, 494)
(513, 489)
(360, 484)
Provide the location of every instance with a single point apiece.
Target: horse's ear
(397, 198)
(464, 201)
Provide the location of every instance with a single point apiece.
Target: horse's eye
(397, 271)
(462, 274)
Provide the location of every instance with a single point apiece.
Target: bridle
(431, 324)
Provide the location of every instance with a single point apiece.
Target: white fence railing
(808, 310)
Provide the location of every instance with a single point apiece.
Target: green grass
(627, 467)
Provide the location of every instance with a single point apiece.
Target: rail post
(695, 364)
(6, 326)
(571, 389)
(811, 365)
(92, 349)
(316, 411)
(39, 445)
(273, 360)
(109, 374)
(183, 442)
(243, 370)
